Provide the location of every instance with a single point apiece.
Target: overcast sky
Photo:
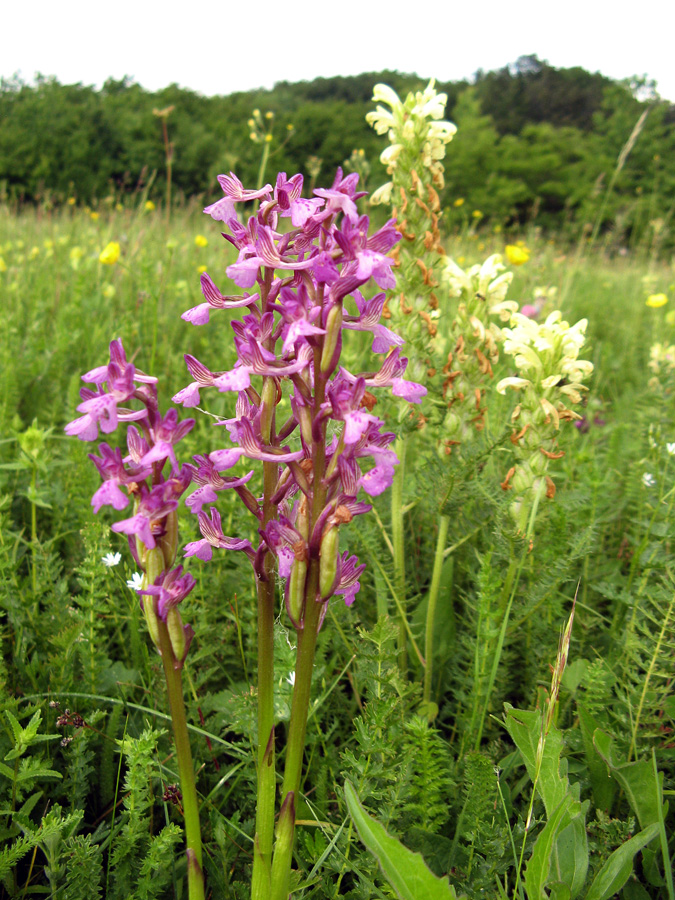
(221, 47)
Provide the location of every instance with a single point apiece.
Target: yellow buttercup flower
(656, 300)
(93, 215)
(477, 214)
(201, 241)
(517, 255)
(3, 265)
(459, 202)
(110, 254)
(201, 269)
(149, 206)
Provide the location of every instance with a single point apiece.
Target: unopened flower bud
(330, 544)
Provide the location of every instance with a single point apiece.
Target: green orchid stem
(264, 817)
(266, 789)
(399, 551)
(193, 839)
(283, 851)
(443, 524)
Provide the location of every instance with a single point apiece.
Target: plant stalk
(443, 524)
(399, 551)
(193, 840)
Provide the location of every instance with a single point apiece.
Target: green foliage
(404, 870)
(457, 796)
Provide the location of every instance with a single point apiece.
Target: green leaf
(636, 779)
(405, 871)
(524, 726)
(616, 871)
(570, 857)
(539, 865)
(602, 784)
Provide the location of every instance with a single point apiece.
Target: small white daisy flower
(135, 582)
(111, 559)
(648, 480)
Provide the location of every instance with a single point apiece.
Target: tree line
(533, 142)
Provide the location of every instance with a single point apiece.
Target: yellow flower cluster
(474, 341)
(416, 123)
(550, 375)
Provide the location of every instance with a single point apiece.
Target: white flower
(291, 678)
(381, 195)
(648, 480)
(671, 448)
(390, 154)
(135, 582)
(111, 559)
(443, 131)
(382, 92)
(429, 104)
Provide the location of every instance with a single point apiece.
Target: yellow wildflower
(35, 251)
(71, 201)
(3, 265)
(93, 215)
(201, 269)
(110, 254)
(149, 206)
(459, 202)
(656, 300)
(517, 255)
(201, 241)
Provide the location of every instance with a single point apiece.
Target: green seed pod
(295, 593)
(174, 625)
(267, 406)
(151, 619)
(168, 542)
(333, 327)
(330, 543)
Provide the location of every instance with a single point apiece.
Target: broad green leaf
(616, 871)
(570, 856)
(539, 865)
(602, 784)
(636, 779)
(524, 726)
(405, 871)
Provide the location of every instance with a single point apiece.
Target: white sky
(219, 46)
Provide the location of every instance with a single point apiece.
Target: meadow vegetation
(499, 695)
